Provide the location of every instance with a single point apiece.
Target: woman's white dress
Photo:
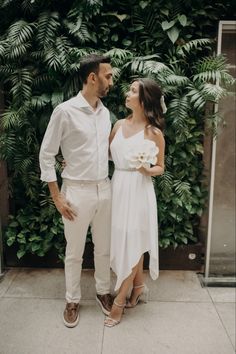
(134, 228)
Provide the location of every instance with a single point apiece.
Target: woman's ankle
(120, 300)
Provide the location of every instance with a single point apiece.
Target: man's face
(104, 79)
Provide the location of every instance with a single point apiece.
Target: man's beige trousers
(92, 203)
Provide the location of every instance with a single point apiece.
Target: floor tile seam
(10, 283)
(32, 268)
(210, 295)
(31, 298)
(218, 314)
(217, 302)
(103, 335)
(7, 296)
(42, 298)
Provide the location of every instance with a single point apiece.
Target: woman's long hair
(150, 99)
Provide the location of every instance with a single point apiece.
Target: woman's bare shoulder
(154, 132)
(156, 135)
(118, 124)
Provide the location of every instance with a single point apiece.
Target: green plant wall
(41, 44)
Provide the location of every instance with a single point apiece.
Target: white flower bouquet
(142, 155)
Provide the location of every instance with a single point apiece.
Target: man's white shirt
(83, 136)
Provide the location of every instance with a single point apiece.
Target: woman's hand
(146, 171)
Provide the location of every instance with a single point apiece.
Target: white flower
(142, 155)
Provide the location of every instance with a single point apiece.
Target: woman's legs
(116, 311)
(139, 277)
(137, 283)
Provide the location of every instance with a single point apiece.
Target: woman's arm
(159, 168)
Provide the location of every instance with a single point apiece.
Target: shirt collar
(83, 103)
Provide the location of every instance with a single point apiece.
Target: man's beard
(103, 93)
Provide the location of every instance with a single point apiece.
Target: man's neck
(90, 97)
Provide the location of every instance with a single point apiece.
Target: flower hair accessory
(163, 105)
(142, 155)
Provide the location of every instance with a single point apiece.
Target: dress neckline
(131, 136)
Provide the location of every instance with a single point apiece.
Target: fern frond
(37, 55)
(6, 71)
(76, 54)
(164, 183)
(196, 96)
(42, 80)
(71, 87)
(21, 81)
(118, 56)
(213, 92)
(48, 27)
(23, 164)
(213, 69)
(152, 67)
(52, 58)
(194, 44)
(215, 76)
(124, 88)
(3, 48)
(18, 51)
(137, 64)
(178, 112)
(20, 32)
(211, 63)
(39, 102)
(57, 56)
(57, 98)
(28, 6)
(7, 146)
(116, 73)
(182, 190)
(176, 80)
(79, 29)
(11, 119)
(95, 2)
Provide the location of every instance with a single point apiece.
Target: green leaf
(54, 230)
(57, 98)
(126, 42)
(183, 20)
(11, 240)
(20, 253)
(143, 4)
(165, 12)
(14, 224)
(114, 37)
(35, 247)
(166, 25)
(173, 34)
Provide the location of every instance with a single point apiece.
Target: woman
(134, 211)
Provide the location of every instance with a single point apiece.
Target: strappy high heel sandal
(141, 297)
(111, 322)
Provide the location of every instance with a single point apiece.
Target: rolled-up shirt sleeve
(50, 145)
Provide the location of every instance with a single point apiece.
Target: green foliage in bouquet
(41, 44)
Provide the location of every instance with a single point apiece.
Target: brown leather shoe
(105, 302)
(71, 314)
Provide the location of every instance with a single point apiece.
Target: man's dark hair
(90, 64)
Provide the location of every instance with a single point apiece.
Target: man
(81, 128)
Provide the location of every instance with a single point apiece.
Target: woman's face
(132, 96)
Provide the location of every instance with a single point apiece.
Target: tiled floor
(180, 318)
